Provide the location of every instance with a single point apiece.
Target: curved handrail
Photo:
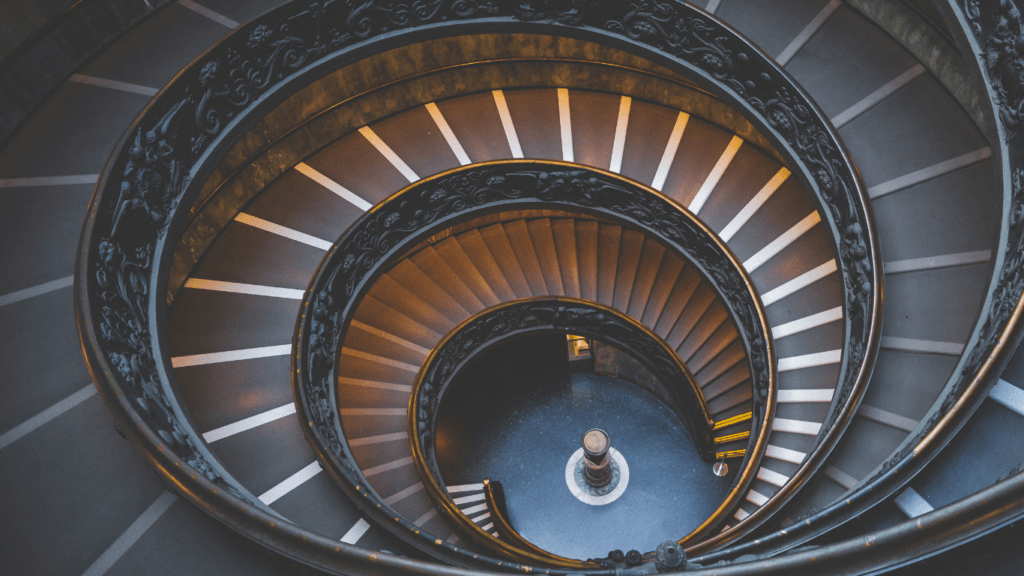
(990, 30)
(41, 61)
(940, 530)
(157, 169)
(384, 234)
(494, 495)
(483, 330)
(493, 326)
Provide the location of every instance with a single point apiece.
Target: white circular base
(581, 492)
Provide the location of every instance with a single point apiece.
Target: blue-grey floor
(526, 420)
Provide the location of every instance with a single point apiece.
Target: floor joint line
(839, 477)
(621, 128)
(1004, 393)
(887, 418)
(671, 147)
(389, 154)
(247, 289)
(808, 32)
(132, 535)
(507, 124)
(249, 423)
(449, 135)
(333, 186)
(356, 532)
(290, 483)
(754, 204)
(565, 124)
(921, 346)
(807, 323)
(46, 416)
(231, 356)
(37, 290)
(113, 84)
(773, 248)
(876, 97)
(715, 176)
(215, 16)
(929, 173)
(71, 180)
(912, 504)
(283, 231)
(937, 262)
(798, 283)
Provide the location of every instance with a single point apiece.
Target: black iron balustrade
(385, 234)
(494, 326)
(569, 316)
(991, 31)
(155, 175)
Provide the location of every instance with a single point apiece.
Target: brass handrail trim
(528, 552)
(396, 252)
(495, 498)
(746, 477)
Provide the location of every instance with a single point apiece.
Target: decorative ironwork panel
(384, 234)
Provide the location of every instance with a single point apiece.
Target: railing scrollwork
(385, 234)
(157, 171)
(519, 318)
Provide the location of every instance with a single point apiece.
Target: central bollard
(598, 469)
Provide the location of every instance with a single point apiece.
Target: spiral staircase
(803, 215)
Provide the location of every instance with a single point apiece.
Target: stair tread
(731, 356)
(443, 275)
(496, 243)
(543, 241)
(664, 281)
(564, 233)
(630, 246)
(594, 117)
(482, 276)
(406, 273)
(696, 306)
(608, 238)
(650, 126)
(397, 296)
(373, 312)
(475, 122)
(415, 138)
(534, 113)
(360, 168)
(587, 260)
(679, 295)
(723, 336)
(699, 150)
(525, 254)
(710, 321)
(651, 257)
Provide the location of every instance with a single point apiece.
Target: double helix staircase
(927, 154)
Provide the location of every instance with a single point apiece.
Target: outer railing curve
(157, 170)
(511, 320)
(387, 232)
(989, 34)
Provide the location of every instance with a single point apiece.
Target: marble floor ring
(597, 496)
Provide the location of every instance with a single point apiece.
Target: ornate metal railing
(485, 330)
(481, 332)
(991, 31)
(156, 172)
(385, 234)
